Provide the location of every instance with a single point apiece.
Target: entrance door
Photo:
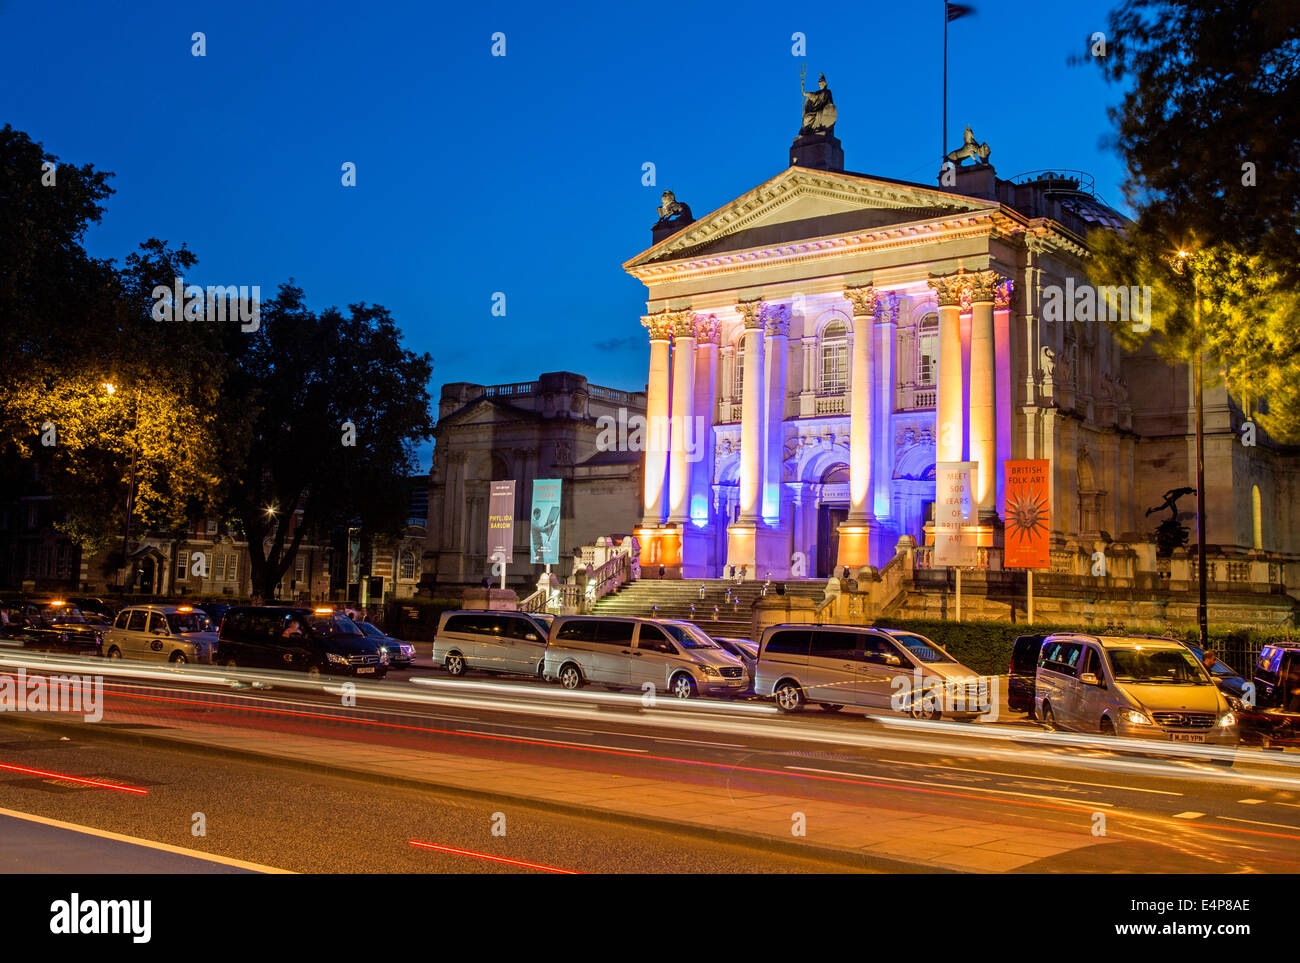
(828, 539)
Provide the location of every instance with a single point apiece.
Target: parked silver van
(489, 640)
(626, 653)
(1130, 686)
(856, 665)
(162, 633)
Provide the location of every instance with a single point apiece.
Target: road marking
(943, 785)
(1188, 815)
(147, 843)
(1014, 775)
(97, 783)
(556, 742)
(635, 735)
(495, 859)
(1257, 822)
(1248, 802)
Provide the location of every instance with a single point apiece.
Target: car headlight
(1228, 719)
(383, 656)
(408, 650)
(710, 671)
(336, 659)
(1133, 717)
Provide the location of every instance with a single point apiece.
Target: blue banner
(544, 522)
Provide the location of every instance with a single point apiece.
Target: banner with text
(545, 521)
(501, 522)
(953, 544)
(1028, 513)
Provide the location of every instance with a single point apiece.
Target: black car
(1272, 717)
(51, 625)
(1023, 672)
(215, 611)
(401, 655)
(315, 641)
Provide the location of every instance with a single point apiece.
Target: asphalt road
(1163, 814)
(301, 822)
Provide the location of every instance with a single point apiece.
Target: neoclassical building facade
(840, 334)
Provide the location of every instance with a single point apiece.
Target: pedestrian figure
(715, 613)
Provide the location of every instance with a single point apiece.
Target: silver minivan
(628, 653)
(1130, 686)
(162, 633)
(855, 665)
(489, 640)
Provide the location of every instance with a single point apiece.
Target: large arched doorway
(832, 509)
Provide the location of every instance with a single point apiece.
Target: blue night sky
(521, 174)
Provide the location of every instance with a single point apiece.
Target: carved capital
(660, 325)
(863, 299)
(751, 312)
(948, 288)
(684, 325)
(983, 285)
(887, 308)
(707, 328)
(1002, 294)
(776, 319)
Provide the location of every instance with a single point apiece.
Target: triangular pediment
(801, 204)
(485, 411)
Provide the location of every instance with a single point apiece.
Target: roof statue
(818, 108)
(672, 210)
(970, 147)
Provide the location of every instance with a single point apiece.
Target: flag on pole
(958, 10)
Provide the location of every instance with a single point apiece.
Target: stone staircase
(673, 598)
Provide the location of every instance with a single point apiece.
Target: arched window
(833, 372)
(927, 351)
(738, 372)
(406, 566)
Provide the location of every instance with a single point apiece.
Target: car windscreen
(689, 637)
(1169, 666)
(331, 626)
(369, 629)
(182, 622)
(921, 648)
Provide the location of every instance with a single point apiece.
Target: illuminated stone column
(751, 414)
(983, 395)
(682, 432)
(776, 326)
(1002, 352)
(886, 341)
(863, 299)
(949, 413)
(660, 327)
(707, 332)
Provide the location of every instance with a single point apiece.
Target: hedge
(986, 646)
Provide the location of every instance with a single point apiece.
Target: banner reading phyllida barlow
(1028, 513)
(544, 523)
(953, 543)
(501, 522)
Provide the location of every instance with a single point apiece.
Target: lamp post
(111, 389)
(1180, 264)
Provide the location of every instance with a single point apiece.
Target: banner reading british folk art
(545, 521)
(501, 522)
(1028, 514)
(953, 543)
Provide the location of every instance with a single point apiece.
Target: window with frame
(833, 370)
(738, 371)
(232, 567)
(406, 567)
(927, 351)
(182, 566)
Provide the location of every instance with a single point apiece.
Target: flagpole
(943, 131)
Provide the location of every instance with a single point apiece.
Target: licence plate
(1186, 737)
(366, 671)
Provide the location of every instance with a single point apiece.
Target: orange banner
(1028, 514)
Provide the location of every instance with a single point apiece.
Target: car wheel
(1049, 717)
(455, 664)
(917, 710)
(1107, 727)
(114, 652)
(830, 707)
(313, 672)
(789, 697)
(683, 686)
(570, 676)
(178, 658)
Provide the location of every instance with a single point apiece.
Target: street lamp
(1181, 262)
(111, 389)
